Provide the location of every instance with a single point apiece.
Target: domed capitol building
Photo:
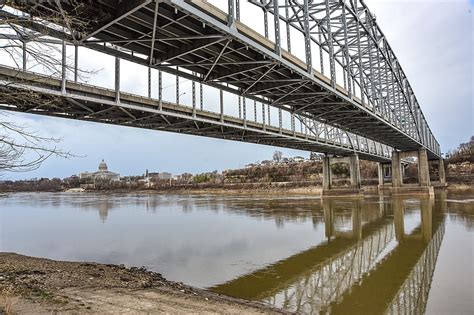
(102, 174)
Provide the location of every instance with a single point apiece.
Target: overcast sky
(432, 39)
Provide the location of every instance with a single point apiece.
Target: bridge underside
(196, 41)
(42, 95)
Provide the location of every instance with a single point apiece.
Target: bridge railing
(379, 89)
(343, 42)
(223, 102)
(15, 79)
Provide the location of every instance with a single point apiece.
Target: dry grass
(6, 303)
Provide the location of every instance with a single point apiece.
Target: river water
(304, 254)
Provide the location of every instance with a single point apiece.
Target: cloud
(434, 42)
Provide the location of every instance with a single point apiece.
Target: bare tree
(29, 37)
(277, 156)
(22, 149)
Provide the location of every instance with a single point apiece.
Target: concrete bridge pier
(381, 174)
(396, 170)
(354, 171)
(441, 182)
(326, 173)
(442, 171)
(384, 170)
(423, 168)
(424, 184)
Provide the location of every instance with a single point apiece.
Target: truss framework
(55, 97)
(197, 41)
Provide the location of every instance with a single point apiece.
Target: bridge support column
(396, 170)
(326, 173)
(354, 170)
(441, 180)
(442, 172)
(424, 184)
(423, 168)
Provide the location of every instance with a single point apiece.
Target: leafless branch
(27, 41)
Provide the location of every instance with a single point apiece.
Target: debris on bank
(31, 285)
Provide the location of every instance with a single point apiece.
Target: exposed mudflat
(41, 286)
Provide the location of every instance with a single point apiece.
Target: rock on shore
(41, 286)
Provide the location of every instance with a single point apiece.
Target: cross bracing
(370, 97)
(92, 103)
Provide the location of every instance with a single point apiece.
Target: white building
(299, 159)
(102, 174)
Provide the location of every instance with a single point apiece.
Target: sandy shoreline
(31, 285)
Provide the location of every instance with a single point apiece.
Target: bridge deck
(97, 104)
(194, 40)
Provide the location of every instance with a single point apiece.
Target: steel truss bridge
(349, 95)
(334, 276)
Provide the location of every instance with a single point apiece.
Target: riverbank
(268, 190)
(31, 285)
(313, 191)
(302, 177)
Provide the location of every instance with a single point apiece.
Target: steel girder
(92, 103)
(199, 42)
(349, 34)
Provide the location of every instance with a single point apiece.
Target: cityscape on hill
(279, 171)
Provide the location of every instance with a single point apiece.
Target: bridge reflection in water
(370, 262)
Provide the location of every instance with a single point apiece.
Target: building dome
(103, 166)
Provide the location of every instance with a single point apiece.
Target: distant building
(162, 175)
(316, 156)
(185, 177)
(298, 159)
(102, 174)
